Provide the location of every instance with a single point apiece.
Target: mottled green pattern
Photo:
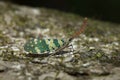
(39, 46)
(29, 46)
(42, 46)
(56, 43)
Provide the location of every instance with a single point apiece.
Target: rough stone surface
(95, 54)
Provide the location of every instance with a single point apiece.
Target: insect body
(41, 46)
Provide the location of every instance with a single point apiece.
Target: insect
(42, 46)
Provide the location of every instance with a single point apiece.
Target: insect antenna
(77, 33)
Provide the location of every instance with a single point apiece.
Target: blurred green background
(107, 10)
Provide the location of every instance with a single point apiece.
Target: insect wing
(39, 46)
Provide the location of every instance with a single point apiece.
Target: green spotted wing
(39, 46)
